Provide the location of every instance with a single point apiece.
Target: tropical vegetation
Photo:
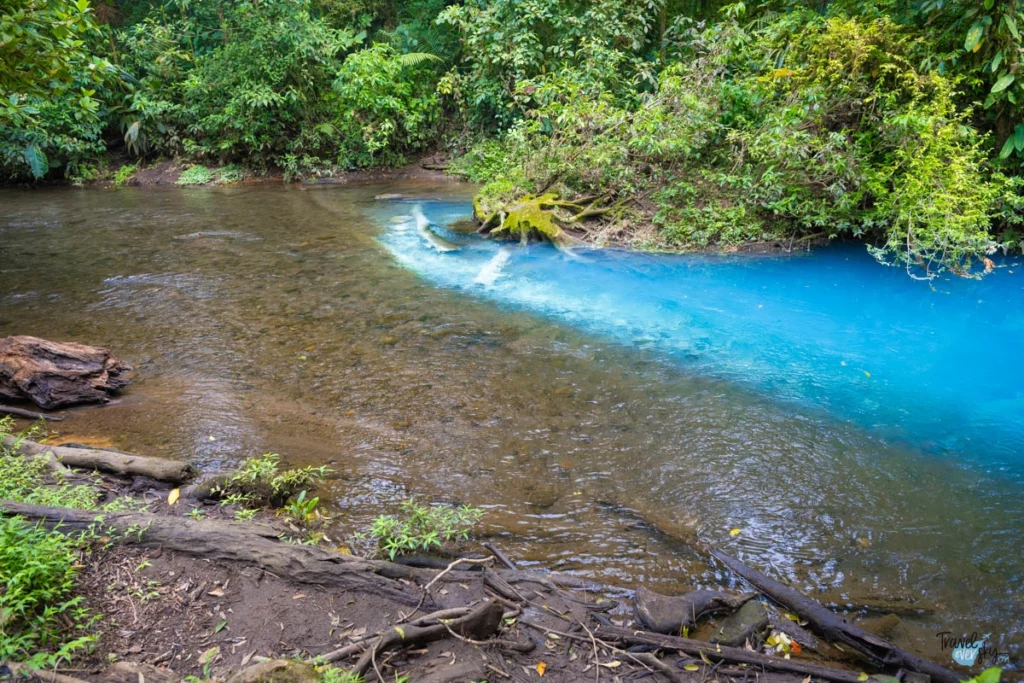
(661, 124)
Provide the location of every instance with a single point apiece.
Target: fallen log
(122, 464)
(224, 541)
(55, 374)
(480, 624)
(833, 627)
(29, 414)
(699, 648)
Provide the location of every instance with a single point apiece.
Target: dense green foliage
(666, 124)
(41, 621)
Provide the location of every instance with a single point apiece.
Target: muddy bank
(185, 590)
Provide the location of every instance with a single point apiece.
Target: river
(863, 431)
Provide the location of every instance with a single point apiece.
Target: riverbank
(174, 581)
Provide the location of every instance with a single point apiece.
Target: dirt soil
(168, 610)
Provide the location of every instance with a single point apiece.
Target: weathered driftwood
(479, 624)
(28, 414)
(115, 462)
(224, 541)
(671, 614)
(699, 648)
(835, 628)
(55, 374)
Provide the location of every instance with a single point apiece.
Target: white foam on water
(492, 269)
(423, 226)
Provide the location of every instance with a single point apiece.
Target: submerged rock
(746, 623)
(671, 614)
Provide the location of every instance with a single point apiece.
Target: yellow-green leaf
(209, 655)
(692, 667)
(973, 40)
(173, 496)
(863, 676)
(734, 532)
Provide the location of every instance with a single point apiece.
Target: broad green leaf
(996, 61)
(36, 160)
(974, 34)
(1011, 24)
(1004, 82)
(990, 675)
(1018, 137)
(1007, 147)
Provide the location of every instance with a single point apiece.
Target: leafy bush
(260, 482)
(387, 106)
(124, 174)
(262, 93)
(801, 126)
(49, 76)
(40, 622)
(195, 175)
(422, 527)
(29, 480)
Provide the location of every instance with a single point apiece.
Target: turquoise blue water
(935, 366)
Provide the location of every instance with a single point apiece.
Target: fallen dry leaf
(541, 668)
(173, 496)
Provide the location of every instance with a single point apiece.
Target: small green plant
(260, 482)
(124, 174)
(30, 480)
(422, 527)
(990, 675)
(195, 175)
(332, 674)
(245, 514)
(228, 174)
(41, 623)
(197, 513)
(302, 510)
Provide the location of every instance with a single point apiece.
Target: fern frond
(416, 58)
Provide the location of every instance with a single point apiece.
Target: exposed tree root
(479, 624)
(224, 541)
(699, 648)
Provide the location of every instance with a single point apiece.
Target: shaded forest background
(663, 124)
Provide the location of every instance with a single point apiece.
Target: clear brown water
(270, 319)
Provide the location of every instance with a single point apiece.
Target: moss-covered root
(530, 216)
